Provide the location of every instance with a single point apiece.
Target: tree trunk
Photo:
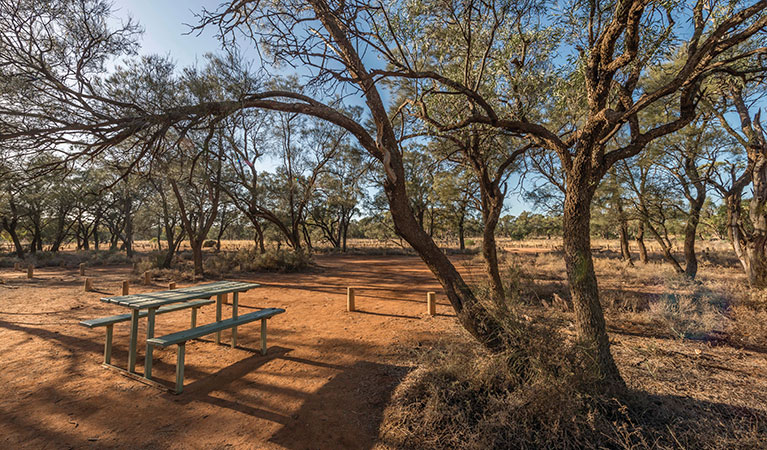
(196, 245)
(259, 237)
(10, 227)
(472, 315)
(128, 240)
(590, 322)
(624, 233)
(690, 230)
(461, 233)
(750, 250)
(640, 242)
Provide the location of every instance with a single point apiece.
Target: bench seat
(111, 320)
(179, 338)
(204, 330)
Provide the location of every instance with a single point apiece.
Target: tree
(747, 233)
(622, 43)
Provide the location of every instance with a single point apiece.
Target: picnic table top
(160, 298)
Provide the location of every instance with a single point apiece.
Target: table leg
(235, 303)
(149, 347)
(108, 345)
(263, 336)
(219, 299)
(133, 339)
(180, 367)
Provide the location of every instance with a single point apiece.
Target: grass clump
(252, 260)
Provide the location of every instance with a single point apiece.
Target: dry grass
(691, 352)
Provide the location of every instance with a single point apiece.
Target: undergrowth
(461, 396)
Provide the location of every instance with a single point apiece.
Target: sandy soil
(324, 383)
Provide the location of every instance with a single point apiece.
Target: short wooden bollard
(17, 266)
(82, 269)
(126, 287)
(350, 299)
(30, 271)
(88, 285)
(431, 304)
(171, 285)
(147, 278)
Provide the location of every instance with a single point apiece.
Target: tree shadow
(346, 412)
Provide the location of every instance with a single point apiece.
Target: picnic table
(151, 301)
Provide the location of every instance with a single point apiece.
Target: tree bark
(590, 322)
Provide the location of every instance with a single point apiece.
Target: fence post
(147, 278)
(88, 285)
(126, 287)
(82, 269)
(350, 299)
(30, 271)
(172, 285)
(431, 305)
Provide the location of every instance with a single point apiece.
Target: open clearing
(325, 382)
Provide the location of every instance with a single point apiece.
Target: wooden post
(350, 299)
(82, 269)
(30, 271)
(218, 317)
(235, 304)
(180, 367)
(126, 287)
(194, 317)
(172, 285)
(88, 285)
(149, 347)
(17, 266)
(147, 278)
(263, 336)
(133, 341)
(108, 345)
(431, 305)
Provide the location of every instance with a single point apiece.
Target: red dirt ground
(327, 378)
(324, 383)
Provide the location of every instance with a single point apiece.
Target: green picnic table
(152, 301)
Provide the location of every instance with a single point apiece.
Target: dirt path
(324, 383)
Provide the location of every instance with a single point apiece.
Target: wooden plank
(133, 340)
(149, 300)
(106, 321)
(204, 330)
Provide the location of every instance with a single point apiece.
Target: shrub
(210, 243)
(461, 396)
(251, 260)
